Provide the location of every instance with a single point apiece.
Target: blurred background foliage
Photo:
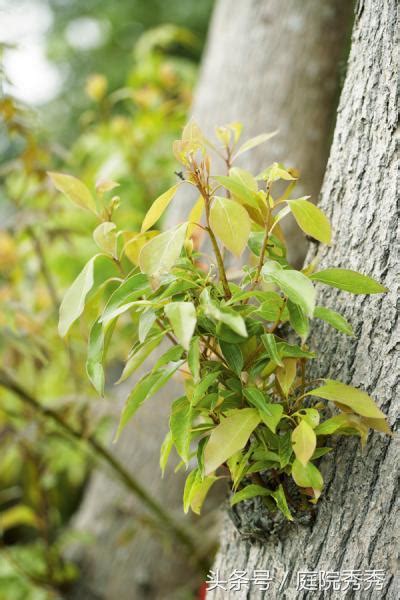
(124, 100)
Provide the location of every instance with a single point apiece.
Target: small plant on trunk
(248, 409)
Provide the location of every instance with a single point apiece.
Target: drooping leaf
(180, 424)
(298, 319)
(94, 362)
(158, 207)
(271, 306)
(74, 189)
(350, 281)
(255, 141)
(229, 436)
(194, 358)
(279, 496)
(144, 389)
(202, 387)
(182, 316)
(18, 515)
(130, 289)
(231, 223)
(307, 475)
(160, 254)
(195, 216)
(196, 490)
(270, 413)
(139, 356)
(146, 321)
(304, 442)
(73, 303)
(285, 449)
(286, 374)
(165, 451)
(311, 219)
(334, 319)
(347, 395)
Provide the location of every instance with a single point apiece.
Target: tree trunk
(356, 525)
(275, 65)
(271, 65)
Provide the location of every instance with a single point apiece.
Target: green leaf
(165, 451)
(73, 303)
(347, 395)
(287, 374)
(182, 316)
(158, 207)
(285, 449)
(271, 306)
(311, 219)
(334, 319)
(233, 356)
(304, 442)
(106, 238)
(95, 353)
(74, 189)
(298, 320)
(139, 356)
(231, 435)
(332, 425)
(270, 413)
(181, 424)
(231, 223)
(255, 141)
(297, 287)
(129, 290)
(350, 281)
(194, 358)
(171, 355)
(243, 193)
(275, 172)
(144, 389)
(146, 322)
(248, 492)
(190, 479)
(244, 177)
(160, 254)
(280, 499)
(196, 490)
(268, 339)
(293, 351)
(202, 387)
(307, 475)
(224, 315)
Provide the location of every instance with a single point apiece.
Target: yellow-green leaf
(334, 319)
(297, 287)
(73, 302)
(255, 141)
(182, 316)
(159, 255)
(311, 219)
(158, 207)
(347, 395)
(349, 281)
(287, 374)
(18, 515)
(307, 475)
(230, 436)
(304, 442)
(231, 223)
(74, 189)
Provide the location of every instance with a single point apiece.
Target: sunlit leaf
(231, 223)
(158, 207)
(304, 442)
(270, 413)
(334, 319)
(311, 219)
(74, 189)
(286, 374)
(307, 475)
(105, 237)
(255, 141)
(18, 515)
(229, 436)
(347, 395)
(130, 289)
(165, 451)
(180, 424)
(294, 284)
(160, 254)
(182, 316)
(194, 358)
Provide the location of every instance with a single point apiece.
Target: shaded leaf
(182, 316)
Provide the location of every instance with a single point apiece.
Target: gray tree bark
(356, 525)
(271, 65)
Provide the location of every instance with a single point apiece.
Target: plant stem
(7, 381)
(220, 262)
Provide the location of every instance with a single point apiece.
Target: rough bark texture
(275, 65)
(272, 65)
(356, 525)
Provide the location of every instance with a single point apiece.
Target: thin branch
(7, 381)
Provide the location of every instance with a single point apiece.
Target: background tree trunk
(356, 525)
(272, 65)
